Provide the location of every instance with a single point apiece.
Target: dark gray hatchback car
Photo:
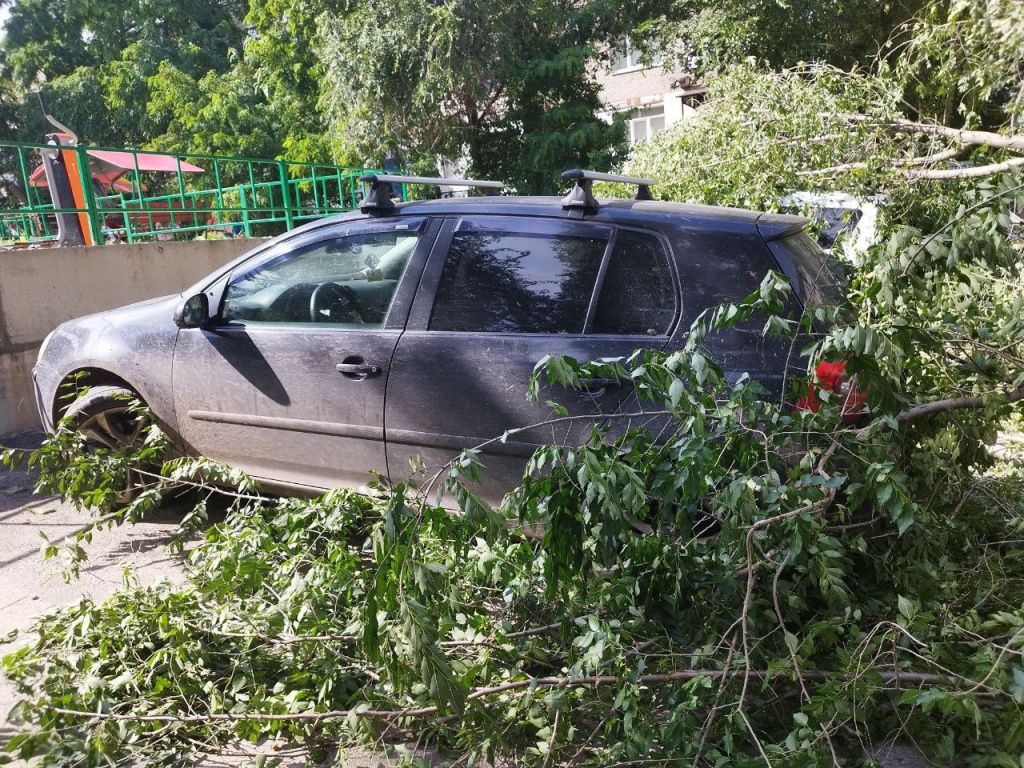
(364, 341)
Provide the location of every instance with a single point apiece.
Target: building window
(627, 58)
(645, 122)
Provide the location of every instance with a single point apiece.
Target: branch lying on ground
(937, 157)
(966, 139)
(950, 404)
(967, 173)
(916, 679)
(954, 404)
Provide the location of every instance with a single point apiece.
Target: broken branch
(920, 678)
(994, 140)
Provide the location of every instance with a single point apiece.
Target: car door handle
(358, 369)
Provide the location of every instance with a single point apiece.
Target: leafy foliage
(98, 58)
(962, 60)
(843, 33)
(754, 584)
(726, 581)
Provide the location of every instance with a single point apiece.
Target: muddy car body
(363, 342)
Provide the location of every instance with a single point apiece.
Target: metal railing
(232, 196)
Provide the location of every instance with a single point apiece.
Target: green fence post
(286, 200)
(219, 193)
(91, 209)
(246, 226)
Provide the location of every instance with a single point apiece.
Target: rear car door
(288, 381)
(499, 293)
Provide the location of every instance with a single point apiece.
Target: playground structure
(128, 195)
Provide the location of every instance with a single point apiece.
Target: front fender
(134, 344)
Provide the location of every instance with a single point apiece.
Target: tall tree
(709, 34)
(508, 86)
(282, 54)
(95, 59)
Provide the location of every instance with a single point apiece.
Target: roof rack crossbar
(580, 200)
(378, 199)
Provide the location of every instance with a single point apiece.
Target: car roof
(612, 211)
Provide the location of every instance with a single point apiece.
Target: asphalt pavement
(30, 586)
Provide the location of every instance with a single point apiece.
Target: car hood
(135, 310)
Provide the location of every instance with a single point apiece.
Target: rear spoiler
(775, 226)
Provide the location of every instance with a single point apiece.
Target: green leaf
(675, 392)
(435, 672)
(907, 608)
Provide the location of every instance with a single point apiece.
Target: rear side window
(816, 276)
(508, 277)
(638, 295)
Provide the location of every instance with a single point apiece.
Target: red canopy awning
(143, 161)
(107, 166)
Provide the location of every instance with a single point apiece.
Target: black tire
(105, 416)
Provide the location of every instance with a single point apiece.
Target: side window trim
(602, 271)
(669, 255)
(423, 302)
(398, 315)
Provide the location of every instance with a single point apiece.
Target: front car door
(288, 381)
(498, 294)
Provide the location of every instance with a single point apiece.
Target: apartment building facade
(653, 95)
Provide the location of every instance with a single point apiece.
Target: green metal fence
(231, 196)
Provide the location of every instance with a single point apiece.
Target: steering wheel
(334, 303)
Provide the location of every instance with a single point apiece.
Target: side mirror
(194, 312)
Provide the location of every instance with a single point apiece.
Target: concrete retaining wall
(41, 289)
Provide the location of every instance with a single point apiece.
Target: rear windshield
(817, 277)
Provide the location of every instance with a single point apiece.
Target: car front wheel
(109, 417)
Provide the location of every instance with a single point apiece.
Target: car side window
(347, 279)
(518, 277)
(638, 296)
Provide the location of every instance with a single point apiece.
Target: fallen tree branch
(843, 168)
(941, 406)
(967, 138)
(954, 404)
(967, 173)
(919, 678)
(938, 157)
(813, 508)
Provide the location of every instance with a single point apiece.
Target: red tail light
(832, 377)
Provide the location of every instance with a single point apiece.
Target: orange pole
(75, 177)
